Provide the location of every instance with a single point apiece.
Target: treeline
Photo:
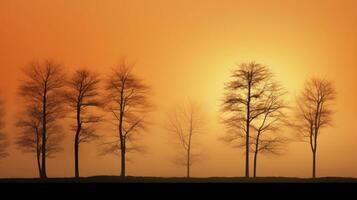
(253, 109)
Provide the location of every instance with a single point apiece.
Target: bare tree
(243, 103)
(42, 91)
(314, 112)
(128, 102)
(186, 123)
(83, 97)
(3, 139)
(267, 126)
(30, 139)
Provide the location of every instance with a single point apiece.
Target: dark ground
(105, 187)
(131, 179)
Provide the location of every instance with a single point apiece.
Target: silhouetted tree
(186, 123)
(243, 101)
(42, 91)
(314, 112)
(3, 139)
(128, 102)
(30, 139)
(267, 126)
(83, 97)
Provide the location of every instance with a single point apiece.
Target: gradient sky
(185, 49)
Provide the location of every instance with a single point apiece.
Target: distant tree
(243, 102)
(3, 139)
(82, 97)
(186, 123)
(314, 112)
(42, 90)
(267, 126)
(128, 101)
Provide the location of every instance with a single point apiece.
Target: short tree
(186, 124)
(314, 112)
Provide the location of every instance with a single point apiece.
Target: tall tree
(243, 103)
(83, 98)
(314, 112)
(186, 123)
(128, 102)
(267, 138)
(3, 139)
(42, 89)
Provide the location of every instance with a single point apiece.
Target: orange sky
(185, 49)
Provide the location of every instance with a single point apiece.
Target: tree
(186, 123)
(42, 91)
(314, 112)
(30, 139)
(243, 103)
(128, 101)
(3, 139)
(83, 97)
(267, 126)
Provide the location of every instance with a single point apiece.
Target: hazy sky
(186, 49)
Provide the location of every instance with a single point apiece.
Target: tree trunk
(317, 122)
(256, 156)
(189, 148)
(314, 164)
(121, 136)
(76, 148)
(314, 157)
(38, 152)
(188, 169)
(39, 165)
(255, 164)
(76, 142)
(247, 136)
(38, 155)
(44, 136)
(123, 148)
(188, 163)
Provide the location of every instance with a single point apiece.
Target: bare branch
(127, 100)
(185, 123)
(42, 90)
(314, 111)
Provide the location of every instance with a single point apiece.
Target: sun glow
(186, 50)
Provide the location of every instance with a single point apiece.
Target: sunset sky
(185, 49)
